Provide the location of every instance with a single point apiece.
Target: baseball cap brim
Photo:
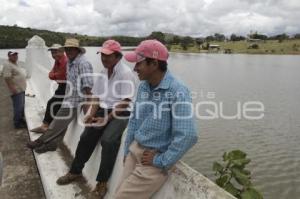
(133, 57)
(106, 51)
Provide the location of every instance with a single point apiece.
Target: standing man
(113, 91)
(58, 74)
(78, 90)
(161, 129)
(15, 78)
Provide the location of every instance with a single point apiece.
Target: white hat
(55, 47)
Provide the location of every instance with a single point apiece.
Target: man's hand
(147, 158)
(99, 121)
(88, 119)
(51, 75)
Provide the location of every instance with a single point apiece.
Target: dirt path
(20, 178)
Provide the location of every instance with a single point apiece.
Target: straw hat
(55, 47)
(73, 43)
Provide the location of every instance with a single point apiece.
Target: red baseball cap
(110, 46)
(150, 49)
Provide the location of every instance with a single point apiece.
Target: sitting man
(161, 129)
(58, 73)
(113, 92)
(77, 67)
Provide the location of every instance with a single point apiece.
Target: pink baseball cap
(150, 49)
(110, 46)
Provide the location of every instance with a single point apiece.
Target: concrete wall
(184, 182)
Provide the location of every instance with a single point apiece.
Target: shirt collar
(76, 60)
(164, 83)
(116, 68)
(62, 59)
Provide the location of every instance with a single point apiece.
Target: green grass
(267, 47)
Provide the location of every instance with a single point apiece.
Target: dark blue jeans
(18, 105)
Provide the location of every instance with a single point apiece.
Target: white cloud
(140, 18)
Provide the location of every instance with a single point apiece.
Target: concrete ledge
(184, 182)
(51, 165)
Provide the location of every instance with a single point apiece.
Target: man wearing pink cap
(113, 91)
(161, 129)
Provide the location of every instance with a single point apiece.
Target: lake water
(271, 142)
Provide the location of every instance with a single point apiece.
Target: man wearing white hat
(15, 78)
(78, 89)
(58, 74)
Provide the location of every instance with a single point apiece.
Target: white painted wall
(183, 183)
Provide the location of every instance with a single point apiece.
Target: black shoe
(45, 148)
(34, 144)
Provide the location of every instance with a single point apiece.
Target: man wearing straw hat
(78, 70)
(58, 74)
(113, 92)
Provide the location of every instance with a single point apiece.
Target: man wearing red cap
(161, 129)
(113, 91)
(15, 78)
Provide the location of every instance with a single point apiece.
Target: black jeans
(54, 103)
(110, 135)
(18, 106)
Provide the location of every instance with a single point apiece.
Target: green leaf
(222, 180)
(231, 189)
(225, 157)
(241, 178)
(251, 194)
(241, 162)
(246, 172)
(236, 154)
(217, 167)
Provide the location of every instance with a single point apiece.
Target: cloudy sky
(141, 17)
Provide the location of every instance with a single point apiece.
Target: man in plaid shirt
(161, 129)
(78, 90)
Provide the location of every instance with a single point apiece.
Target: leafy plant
(234, 177)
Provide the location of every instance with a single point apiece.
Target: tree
(234, 37)
(258, 36)
(157, 35)
(186, 41)
(280, 37)
(209, 38)
(219, 37)
(199, 42)
(297, 36)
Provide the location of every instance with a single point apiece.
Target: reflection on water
(272, 142)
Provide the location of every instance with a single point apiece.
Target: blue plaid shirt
(163, 120)
(79, 76)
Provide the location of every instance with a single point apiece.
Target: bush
(233, 177)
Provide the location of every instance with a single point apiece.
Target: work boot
(68, 178)
(34, 144)
(100, 189)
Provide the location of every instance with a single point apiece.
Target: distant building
(214, 46)
(254, 40)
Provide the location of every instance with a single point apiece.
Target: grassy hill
(17, 37)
